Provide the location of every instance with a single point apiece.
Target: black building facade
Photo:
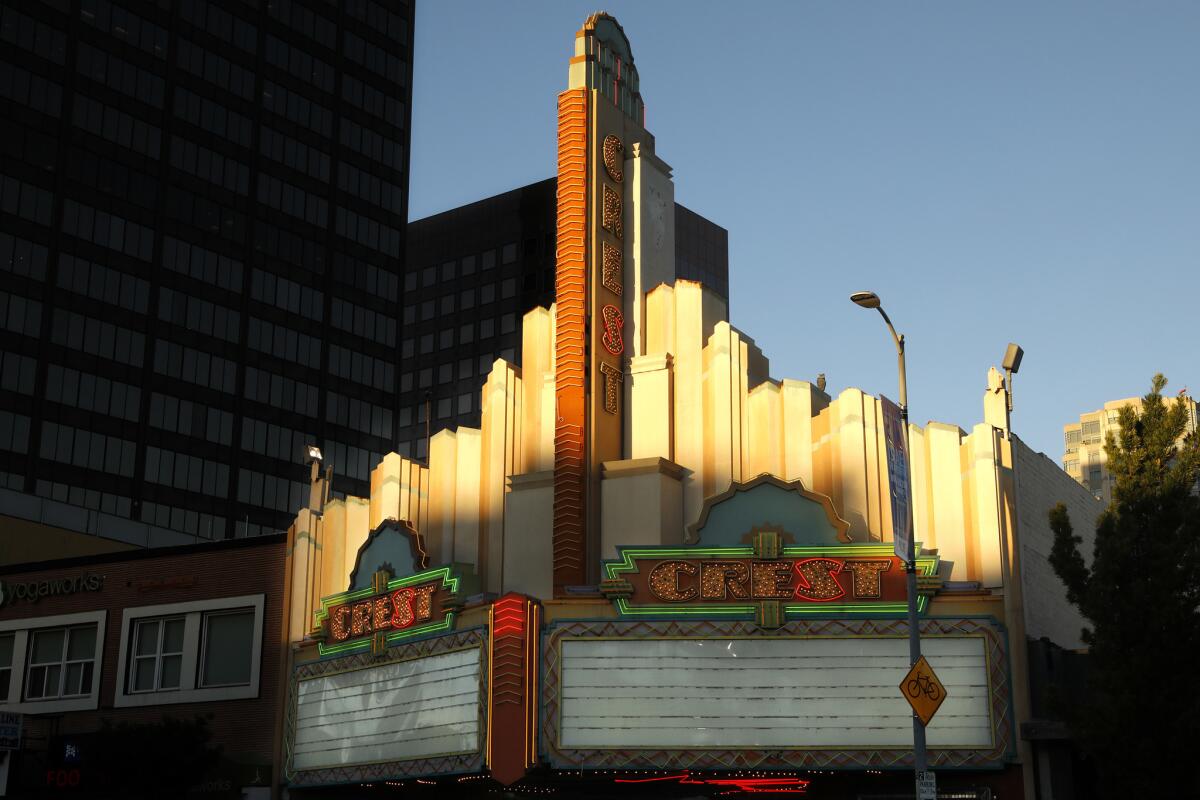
(201, 247)
(472, 274)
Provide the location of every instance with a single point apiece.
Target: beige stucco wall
(1041, 486)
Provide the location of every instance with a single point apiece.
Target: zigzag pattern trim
(570, 342)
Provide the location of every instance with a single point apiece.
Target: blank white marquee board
(775, 693)
(408, 709)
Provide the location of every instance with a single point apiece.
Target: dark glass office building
(201, 252)
(472, 274)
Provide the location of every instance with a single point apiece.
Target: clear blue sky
(997, 172)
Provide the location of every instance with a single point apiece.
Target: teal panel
(767, 504)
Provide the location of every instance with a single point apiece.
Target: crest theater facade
(653, 569)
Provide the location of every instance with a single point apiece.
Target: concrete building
(201, 252)
(1084, 458)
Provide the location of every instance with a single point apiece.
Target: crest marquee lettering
(386, 612)
(734, 581)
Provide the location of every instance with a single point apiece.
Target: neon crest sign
(739, 582)
(390, 610)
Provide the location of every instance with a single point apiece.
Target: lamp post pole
(871, 300)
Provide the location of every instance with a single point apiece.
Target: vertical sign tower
(600, 118)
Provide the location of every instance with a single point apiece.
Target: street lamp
(871, 300)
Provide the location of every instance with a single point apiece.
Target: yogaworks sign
(33, 591)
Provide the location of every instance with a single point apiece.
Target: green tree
(1141, 596)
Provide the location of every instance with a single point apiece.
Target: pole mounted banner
(898, 481)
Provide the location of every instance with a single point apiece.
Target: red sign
(395, 610)
(820, 579)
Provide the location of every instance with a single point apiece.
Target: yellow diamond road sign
(923, 691)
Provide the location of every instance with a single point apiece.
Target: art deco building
(1084, 458)
(654, 564)
(473, 273)
(201, 254)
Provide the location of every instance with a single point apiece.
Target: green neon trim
(449, 582)
(346, 647)
(926, 565)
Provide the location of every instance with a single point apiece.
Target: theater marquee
(737, 582)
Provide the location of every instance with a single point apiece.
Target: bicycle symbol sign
(923, 691)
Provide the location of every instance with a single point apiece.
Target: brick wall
(243, 728)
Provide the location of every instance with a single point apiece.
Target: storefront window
(61, 663)
(6, 651)
(228, 640)
(157, 655)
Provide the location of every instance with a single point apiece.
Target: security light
(314, 453)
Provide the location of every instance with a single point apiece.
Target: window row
(14, 432)
(22, 86)
(187, 472)
(212, 117)
(191, 418)
(379, 18)
(87, 449)
(295, 154)
(88, 335)
(206, 215)
(361, 368)
(108, 230)
(71, 387)
(366, 277)
(276, 441)
(125, 25)
(188, 311)
(290, 199)
(195, 366)
(220, 23)
(283, 342)
(374, 190)
(17, 372)
(301, 64)
(29, 34)
(113, 178)
(22, 257)
(297, 108)
(280, 392)
(270, 491)
(182, 652)
(25, 200)
(371, 144)
(197, 523)
(368, 232)
(353, 462)
(299, 18)
(374, 58)
(102, 283)
(119, 75)
(363, 322)
(350, 412)
(20, 314)
(94, 499)
(267, 287)
(290, 248)
(201, 264)
(211, 166)
(374, 102)
(117, 126)
(216, 70)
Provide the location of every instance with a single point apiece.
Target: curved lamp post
(871, 300)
